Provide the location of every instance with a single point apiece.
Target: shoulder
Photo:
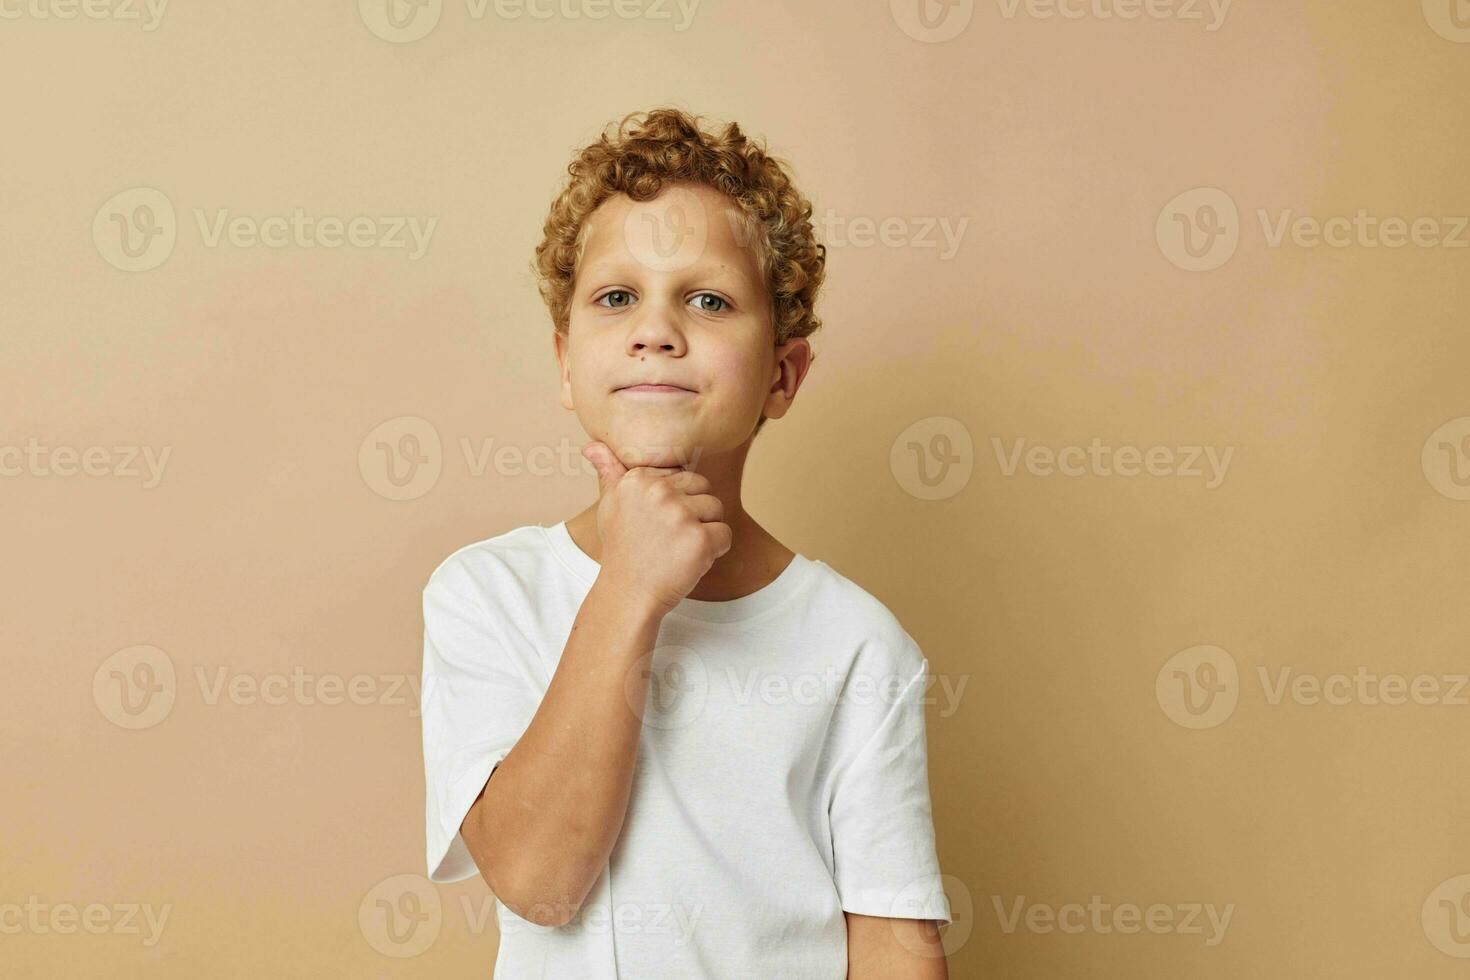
(883, 645)
(489, 566)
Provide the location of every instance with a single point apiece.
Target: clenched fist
(660, 526)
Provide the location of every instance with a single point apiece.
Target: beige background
(1074, 761)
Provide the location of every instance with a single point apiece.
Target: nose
(655, 329)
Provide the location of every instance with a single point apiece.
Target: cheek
(744, 374)
(588, 369)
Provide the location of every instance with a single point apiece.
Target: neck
(755, 556)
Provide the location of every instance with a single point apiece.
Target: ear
(793, 360)
(562, 344)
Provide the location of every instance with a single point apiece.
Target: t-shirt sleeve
(477, 699)
(884, 858)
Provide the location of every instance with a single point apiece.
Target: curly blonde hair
(667, 144)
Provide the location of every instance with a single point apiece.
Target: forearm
(894, 949)
(549, 816)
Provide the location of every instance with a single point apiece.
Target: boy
(670, 745)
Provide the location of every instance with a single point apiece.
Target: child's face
(668, 291)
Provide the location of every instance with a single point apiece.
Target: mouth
(655, 390)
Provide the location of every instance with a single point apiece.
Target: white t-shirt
(781, 776)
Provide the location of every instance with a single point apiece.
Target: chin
(661, 455)
(648, 447)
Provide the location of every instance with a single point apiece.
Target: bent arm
(549, 815)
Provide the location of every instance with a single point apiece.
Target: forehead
(686, 228)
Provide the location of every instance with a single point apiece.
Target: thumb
(610, 469)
